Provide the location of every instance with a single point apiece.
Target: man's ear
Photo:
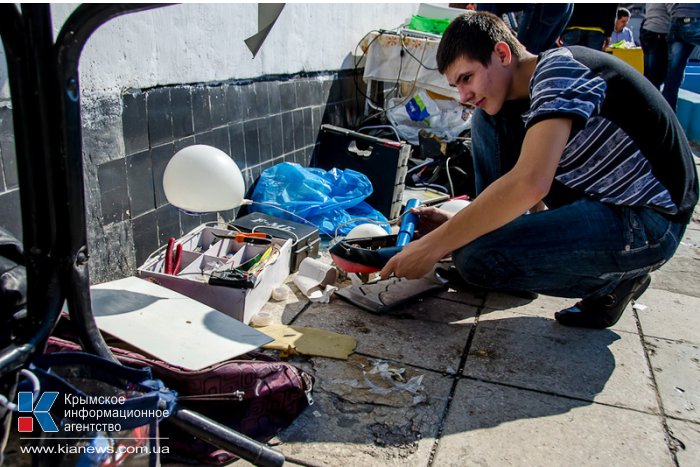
(503, 53)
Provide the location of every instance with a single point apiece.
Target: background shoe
(603, 312)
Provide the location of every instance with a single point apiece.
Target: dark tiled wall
(10, 217)
(259, 123)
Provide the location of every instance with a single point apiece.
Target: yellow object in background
(308, 341)
(633, 56)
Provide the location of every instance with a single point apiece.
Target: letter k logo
(41, 411)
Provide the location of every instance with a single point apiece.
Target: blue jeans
(682, 38)
(655, 56)
(590, 39)
(541, 24)
(578, 248)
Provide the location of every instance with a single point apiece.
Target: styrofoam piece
(169, 325)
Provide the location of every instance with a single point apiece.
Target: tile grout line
(672, 443)
(457, 377)
(563, 396)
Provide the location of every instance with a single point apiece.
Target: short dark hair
(622, 12)
(473, 36)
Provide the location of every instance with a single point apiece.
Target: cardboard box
(203, 251)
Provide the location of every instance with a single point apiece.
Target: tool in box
(173, 257)
(244, 275)
(257, 238)
(305, 237)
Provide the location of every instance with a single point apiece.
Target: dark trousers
(655, 56)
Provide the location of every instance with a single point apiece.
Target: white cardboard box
(203, 251)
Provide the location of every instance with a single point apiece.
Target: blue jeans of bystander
(542, 23)
(590, 39)
(579, 248)
(683, 36)
(655, 56)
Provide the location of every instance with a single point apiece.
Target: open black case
(43, 78)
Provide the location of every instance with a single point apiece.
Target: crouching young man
(585, 179)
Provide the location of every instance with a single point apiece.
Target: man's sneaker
(605, 311)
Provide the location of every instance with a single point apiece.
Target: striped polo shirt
(600, 159)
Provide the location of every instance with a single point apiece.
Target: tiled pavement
(501, 383)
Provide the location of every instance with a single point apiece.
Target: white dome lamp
(202, 179)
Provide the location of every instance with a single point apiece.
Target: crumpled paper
(316, 280)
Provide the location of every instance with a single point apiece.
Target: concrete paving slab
(686, 440)
(354, 425)
(459, 295)
(536, 353)
(440, 310)
(690, 243)
(669, 315)
(495, 425)
(501, 301)
(545, 307)
(680, 275)
(285, 311)
(396, 337)
(676, 367)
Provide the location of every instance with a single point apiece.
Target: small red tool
(253, 237)
(173, 257)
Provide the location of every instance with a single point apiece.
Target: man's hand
(414, 261)
(429, 219)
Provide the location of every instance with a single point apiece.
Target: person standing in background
(621, 32)
(540, 23)
(591, 25)
(683, 36)
(652, 36)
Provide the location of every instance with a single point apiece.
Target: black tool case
(382, 160)
(305, 238)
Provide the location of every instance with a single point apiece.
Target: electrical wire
(366, 219)
(292, 214)
(36, 388)
(420, 61)
(271, 227)
(434, 186)
(369, 220)
(381, 127)
(380, 33)
(419, 166)
(449, 177)
(399, 32)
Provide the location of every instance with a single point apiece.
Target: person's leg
(541, 24)
(585, 249)
(592, 39)
(655, 56)
(496, 142)
(571, 37)
(678, 52)
(691, 33)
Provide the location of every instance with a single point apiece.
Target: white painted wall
(204, 42)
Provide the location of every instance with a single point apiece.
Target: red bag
(257, 397)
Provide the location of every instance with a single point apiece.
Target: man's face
(621, 23)
(481, 86)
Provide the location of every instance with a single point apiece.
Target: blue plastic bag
(327, 199)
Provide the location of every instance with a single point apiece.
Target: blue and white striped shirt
(600, 159)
